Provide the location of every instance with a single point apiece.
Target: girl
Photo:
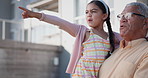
(92, 46)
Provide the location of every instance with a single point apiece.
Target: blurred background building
(30, 48)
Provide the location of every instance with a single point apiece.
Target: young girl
(92, 46)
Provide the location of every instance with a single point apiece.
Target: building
(13, 27)
(29, 31)
(73, 11)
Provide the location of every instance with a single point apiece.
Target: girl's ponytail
(111, 34)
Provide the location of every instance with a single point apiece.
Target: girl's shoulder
(118, 38)
(87, 34)
(117, 35)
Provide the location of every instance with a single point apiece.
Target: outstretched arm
(71, 28)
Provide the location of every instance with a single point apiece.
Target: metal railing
(7, 26)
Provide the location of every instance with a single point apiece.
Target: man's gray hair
(143, 8)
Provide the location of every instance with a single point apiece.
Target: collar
(132, 43)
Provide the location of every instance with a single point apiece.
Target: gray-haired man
(131, 59)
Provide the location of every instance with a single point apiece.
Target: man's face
(132, 25)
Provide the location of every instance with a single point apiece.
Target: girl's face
(94, 15)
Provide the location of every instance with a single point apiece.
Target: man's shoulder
(141, 43)
(144, 47)
(145, 44)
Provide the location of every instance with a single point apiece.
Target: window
(12, 11)
(80, 6)
(26, 35)
(0, 29)
(110, 3)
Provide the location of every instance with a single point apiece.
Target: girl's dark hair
(111, 34)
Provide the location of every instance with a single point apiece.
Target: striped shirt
(94, 52)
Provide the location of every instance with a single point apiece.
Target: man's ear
(146, 24)
(105, 16)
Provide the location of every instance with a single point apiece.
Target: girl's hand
(30, 14)
(26, 13)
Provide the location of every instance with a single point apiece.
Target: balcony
(11, 30)
(51, 5)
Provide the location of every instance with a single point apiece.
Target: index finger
(24, 9)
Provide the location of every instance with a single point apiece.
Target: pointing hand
(27, 13)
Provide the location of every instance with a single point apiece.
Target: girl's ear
(105, 16)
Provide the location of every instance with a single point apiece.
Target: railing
(11, 30)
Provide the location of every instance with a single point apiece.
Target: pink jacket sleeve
(71, 28)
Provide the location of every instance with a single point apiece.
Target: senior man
(131, 59)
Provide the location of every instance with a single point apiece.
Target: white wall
(67, 13)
